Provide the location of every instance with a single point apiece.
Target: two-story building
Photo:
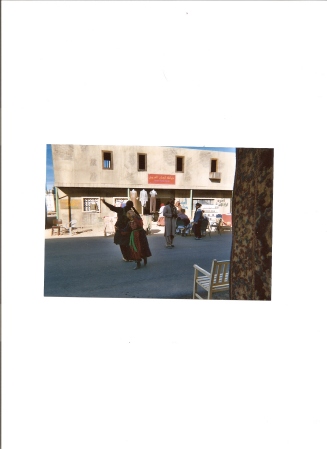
(148, 175)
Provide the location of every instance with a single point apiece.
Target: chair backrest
(72, 223)
(180, 222)
(57, 221)
(204, 224)
(220, 273)
(228, 219)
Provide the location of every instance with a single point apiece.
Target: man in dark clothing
(198, 217)
(121, 223)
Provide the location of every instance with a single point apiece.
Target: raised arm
(111, 207)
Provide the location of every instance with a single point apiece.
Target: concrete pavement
(92, 266)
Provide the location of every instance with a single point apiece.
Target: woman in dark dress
(121, 223)
(138, 242)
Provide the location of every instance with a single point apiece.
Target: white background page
(113, 373)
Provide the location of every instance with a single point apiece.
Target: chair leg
(194, 287)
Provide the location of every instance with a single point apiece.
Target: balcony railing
(215, 176)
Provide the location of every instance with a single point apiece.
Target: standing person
(162, 206)
(198, 217)
(161, 218)
(170, 214)
(178, 206)
(122, 221)
(138, 242)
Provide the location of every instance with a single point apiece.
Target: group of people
(171, 211)
(130, 234)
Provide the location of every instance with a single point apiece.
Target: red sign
(161, 179)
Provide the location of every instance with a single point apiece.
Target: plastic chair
(213, 225)
(205, 227)
(180, 227)
(70, 227)
(222, 226)
(109, 227)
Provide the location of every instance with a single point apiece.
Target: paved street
(93, 267)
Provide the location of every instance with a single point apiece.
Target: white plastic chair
(71, 227)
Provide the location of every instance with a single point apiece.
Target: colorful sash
(131, 239)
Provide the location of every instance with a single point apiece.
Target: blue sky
(50, 173)
(49, 170)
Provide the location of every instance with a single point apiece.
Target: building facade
(149, 176)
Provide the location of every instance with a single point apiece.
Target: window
(120, 202)
(204, 201)
(91, 204)
(214, 165)
(179, 164)
(141, 160)
(107, 160)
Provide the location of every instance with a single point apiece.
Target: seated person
(183, 217)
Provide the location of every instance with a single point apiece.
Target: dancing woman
(138, 242)
(120, 224)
